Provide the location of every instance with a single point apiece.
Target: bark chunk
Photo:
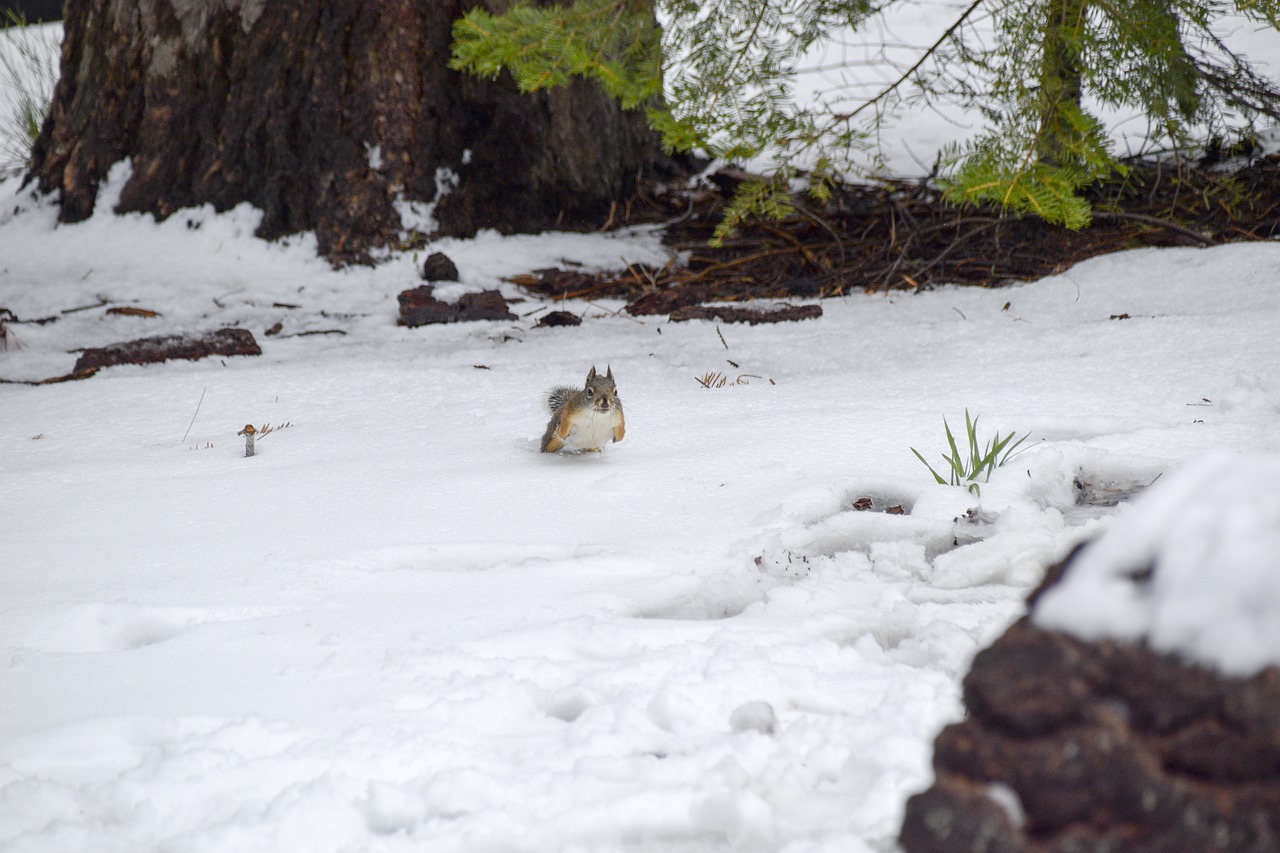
(166, 347)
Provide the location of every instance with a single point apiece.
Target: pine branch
(906, 75)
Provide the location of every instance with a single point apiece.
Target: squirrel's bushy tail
(559, 396)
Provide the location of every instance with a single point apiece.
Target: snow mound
(1191, 568)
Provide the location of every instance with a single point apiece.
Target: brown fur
(575, 415)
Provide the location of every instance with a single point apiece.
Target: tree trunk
(323, 114)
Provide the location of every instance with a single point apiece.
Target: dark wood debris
(900, 236)
(868, 504)
(131, 311)
(420, 307)
(753, 315)
(166, 347)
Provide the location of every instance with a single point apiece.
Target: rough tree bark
(322, 113)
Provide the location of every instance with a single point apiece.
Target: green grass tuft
(28, 72)
(978, 461)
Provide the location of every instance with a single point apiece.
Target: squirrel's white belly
(591, 430)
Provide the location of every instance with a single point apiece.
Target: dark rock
(1009, 685)
(559, 318)
(166, 347)
(1107, 745)
(485, 305)
(734, 314)
(439, 267)
(419, 307)
(952, 810)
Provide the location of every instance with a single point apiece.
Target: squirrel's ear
(609, 373)
(592, 374)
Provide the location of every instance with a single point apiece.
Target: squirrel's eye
(591, 392)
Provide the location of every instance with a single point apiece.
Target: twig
(266, 429)
(745, 259)
(889, 275)
(906, 75)
(101, 302)
(614, 313)
(578, 294)
(613, 210)
(954, 244)
(712, 379)
(823, 224)
(653, 277)
(1156, 222)
(193, 416)
(687, 213)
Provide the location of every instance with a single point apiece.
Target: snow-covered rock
(1137, 706)
(1191, 568)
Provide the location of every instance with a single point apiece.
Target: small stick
(248, 432)
(722, 340)
(193, 415)
(612, 313)
(613, 209)
(97, 304)
(633, 272)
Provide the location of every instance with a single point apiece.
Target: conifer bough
(719, 77)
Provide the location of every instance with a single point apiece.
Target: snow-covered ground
(400, 627)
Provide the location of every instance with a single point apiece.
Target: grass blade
(935, 474)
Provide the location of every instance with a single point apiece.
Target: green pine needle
(28, 69)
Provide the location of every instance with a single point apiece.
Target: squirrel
(584, 419)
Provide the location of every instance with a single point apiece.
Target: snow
(1189, 568)
(400, 627)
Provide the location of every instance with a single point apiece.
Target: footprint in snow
(120, 626)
